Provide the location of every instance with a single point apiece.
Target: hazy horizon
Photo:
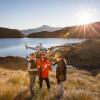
(28, 14)
(48, 26)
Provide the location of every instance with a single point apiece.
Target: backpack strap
(65, 61)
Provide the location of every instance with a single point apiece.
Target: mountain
(40, 29)
(10, 33)
(91, 30)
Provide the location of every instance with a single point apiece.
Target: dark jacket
(61, 69)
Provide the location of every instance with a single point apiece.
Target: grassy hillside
(10, 33)
(80, 85)
(83, 31)
(83, 55)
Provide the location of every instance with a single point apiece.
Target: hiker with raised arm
(44, 66)
(60, 74)
(32, 70)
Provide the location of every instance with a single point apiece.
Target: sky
(26, 14)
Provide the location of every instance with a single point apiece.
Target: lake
(16, 46)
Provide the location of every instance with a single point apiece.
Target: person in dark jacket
(60, 74)
(32, 70)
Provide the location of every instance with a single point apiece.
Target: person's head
(58, 56)
(32, 56)
(43, 56)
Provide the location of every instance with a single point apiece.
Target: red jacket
(46, 67)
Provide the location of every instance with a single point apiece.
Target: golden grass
(80, 85)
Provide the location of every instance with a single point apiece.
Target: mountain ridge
(40, 29)
(91, 30)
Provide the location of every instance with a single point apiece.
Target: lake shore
(14, 63)
(16, 47)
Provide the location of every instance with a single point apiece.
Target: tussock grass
(80, 85)
(11, 83)
(79, 95)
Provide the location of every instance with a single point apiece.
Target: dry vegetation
(80, 85)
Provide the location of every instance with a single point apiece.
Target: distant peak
(45, 26)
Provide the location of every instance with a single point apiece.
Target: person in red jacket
(44, 66)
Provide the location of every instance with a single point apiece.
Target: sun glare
(85, 18)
